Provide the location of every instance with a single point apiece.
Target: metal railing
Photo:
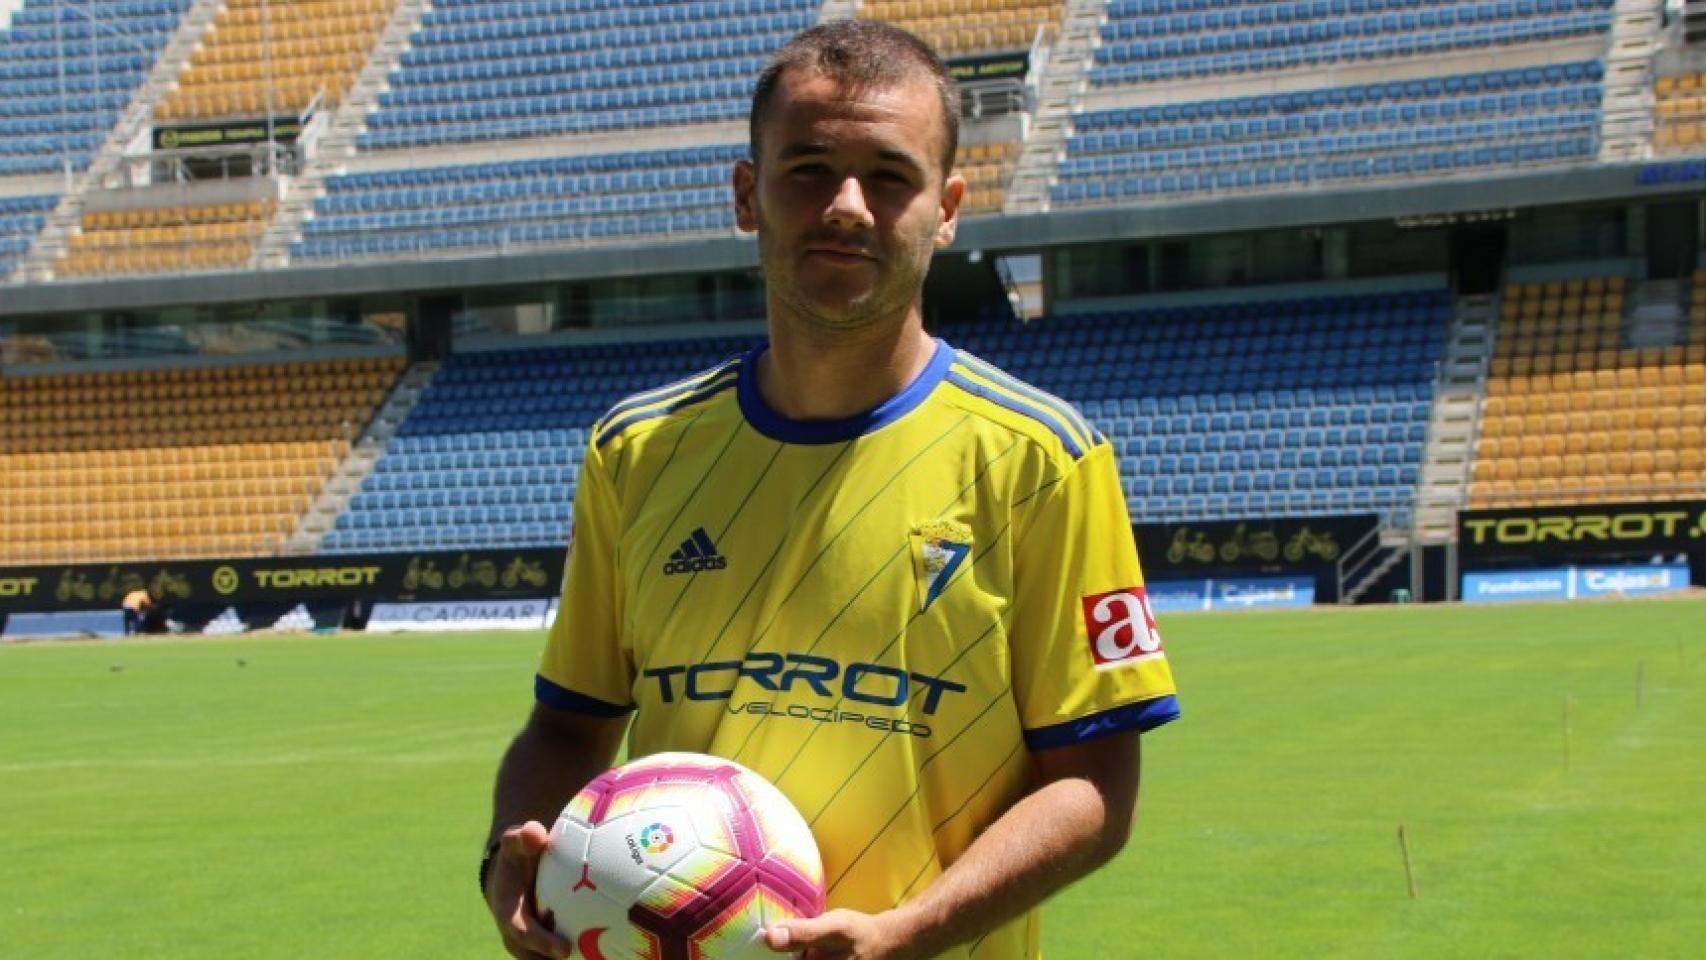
(1357, 562)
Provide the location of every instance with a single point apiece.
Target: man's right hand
(509, 894)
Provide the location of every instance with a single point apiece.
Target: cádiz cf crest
(939, 549)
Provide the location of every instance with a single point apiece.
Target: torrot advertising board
(423, 577)
(1577, 532)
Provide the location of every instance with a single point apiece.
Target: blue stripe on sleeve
(1146, 715)
(1068, 414)
(1021, 407)
(675, 389)
(562, 698)
(710, 389)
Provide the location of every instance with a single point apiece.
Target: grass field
(325, 796)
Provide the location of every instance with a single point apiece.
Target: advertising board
(423, 576)
(1571, 583)
(1230, 593)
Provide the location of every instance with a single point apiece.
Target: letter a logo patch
(939, 549)
(1121, 628)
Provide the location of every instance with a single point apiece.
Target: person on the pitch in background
(917, 569)
(136, 605)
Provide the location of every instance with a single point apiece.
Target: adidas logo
(695, 554)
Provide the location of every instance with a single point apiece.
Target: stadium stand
(172, 463)
(308, 49)
(1679, 113)
(254, 334)
(177, 239)
(1306, 406)
(1146, 41)
(67, 70)
(960, 27)
(1574, 415)
(501, 69)
(21, 218)
(1439, 126)
(553, 201)
(522, 203)
(987, 167)
(522, 415)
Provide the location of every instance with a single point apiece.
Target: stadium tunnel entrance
(1478, 258)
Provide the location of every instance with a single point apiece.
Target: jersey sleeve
(1087, 659)
(586, 668)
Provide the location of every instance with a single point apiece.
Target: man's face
(847, 197)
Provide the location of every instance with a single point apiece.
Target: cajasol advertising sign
(1571, 583)
(1230, 593)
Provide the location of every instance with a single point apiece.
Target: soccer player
(887, 576)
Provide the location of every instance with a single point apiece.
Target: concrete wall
(989, 233)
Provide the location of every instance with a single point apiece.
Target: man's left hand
(841, 935)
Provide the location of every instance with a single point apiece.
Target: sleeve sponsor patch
(1121, 627)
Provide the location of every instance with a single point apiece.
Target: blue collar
(777, 427)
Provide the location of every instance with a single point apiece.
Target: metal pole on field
(1567, 699)
(59, 59)
(95, 66)
(1409, 870)
(266, 78)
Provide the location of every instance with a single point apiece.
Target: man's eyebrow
(901, 157)
(810, 149)
(793, 150)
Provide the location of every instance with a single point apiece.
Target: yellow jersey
(883, 615)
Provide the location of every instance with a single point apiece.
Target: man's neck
(817, 375)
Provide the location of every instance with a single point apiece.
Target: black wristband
(486, 865)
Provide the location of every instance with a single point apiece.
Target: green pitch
(325, 796)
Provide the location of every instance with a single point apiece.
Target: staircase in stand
(1061, 86)
(338, 143)
(1368, 560)
(67, 217)
(322, 514)
(1455, 420)
(1657, 314)
(834, 10)
(1626, 116)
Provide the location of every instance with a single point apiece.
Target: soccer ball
(677, 856)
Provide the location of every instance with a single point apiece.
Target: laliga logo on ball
(656, 838)
(678, 855)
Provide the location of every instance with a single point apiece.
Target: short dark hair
(862, 54)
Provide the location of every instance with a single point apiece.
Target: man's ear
(745, 182)
(953, 194)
